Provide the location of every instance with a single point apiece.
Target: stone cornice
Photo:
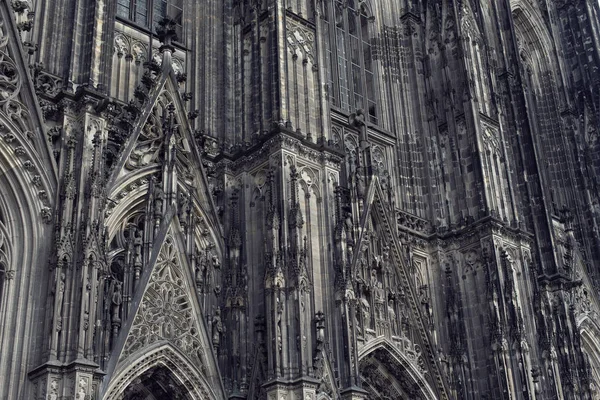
(280, 139)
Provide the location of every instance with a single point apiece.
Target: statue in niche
(217, 329)
(116, 299)
(385, 260)
(386, 186)
(279, 336)
(137, 247)
(392, 316)
(201, 269)
(361, 185)
(60, 294)
(376, 286)
(159, 196)
(366, 312)
(348, 224)
(184, 205)
(86, 302)
(199, 279)
(365, 306)
(402, 311)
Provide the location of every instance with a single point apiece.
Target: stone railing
(412, 222)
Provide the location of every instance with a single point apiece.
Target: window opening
(148, 13)
(350, 76)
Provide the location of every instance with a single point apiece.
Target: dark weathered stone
(299, 200)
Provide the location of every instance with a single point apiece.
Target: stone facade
(299, 199)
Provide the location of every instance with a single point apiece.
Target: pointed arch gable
(403, 371)
(26, 199)
(162, 354)
(22, 107)
(589, 330)
(167, 87)
(170, 313)
(131, 192)
(530, 26)
(376, 209)
(259, 375)
(327, 388)
(133, 137)
(366, 7)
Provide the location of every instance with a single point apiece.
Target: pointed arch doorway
(387, 374)
(157, 383)
(162, 372)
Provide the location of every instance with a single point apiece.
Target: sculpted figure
(361, 186)
(358, 120)
(348, 224)
(366, 312)
(217, 328)
(392, 317)
(137, 245)
(116, 300)
(60, 294)
(159, 196)
(376, 286)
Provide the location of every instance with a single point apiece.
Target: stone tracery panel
(166, 312)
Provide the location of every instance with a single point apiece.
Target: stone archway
(161, 372)
(388, 375)
(157, 383)
(590, 343)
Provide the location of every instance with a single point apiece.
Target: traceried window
(147, 13)
(351, 76)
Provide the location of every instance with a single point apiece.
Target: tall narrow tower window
(147, 13)
(351, 79)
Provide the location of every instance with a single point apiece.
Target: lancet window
(351, 77)
(148, 13)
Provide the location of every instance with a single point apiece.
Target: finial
(167, 34)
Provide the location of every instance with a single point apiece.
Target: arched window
(147, 13)
(350, 61)
(539, 77)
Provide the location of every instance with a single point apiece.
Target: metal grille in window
(351, 76)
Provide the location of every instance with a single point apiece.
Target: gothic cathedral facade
(299, 199)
